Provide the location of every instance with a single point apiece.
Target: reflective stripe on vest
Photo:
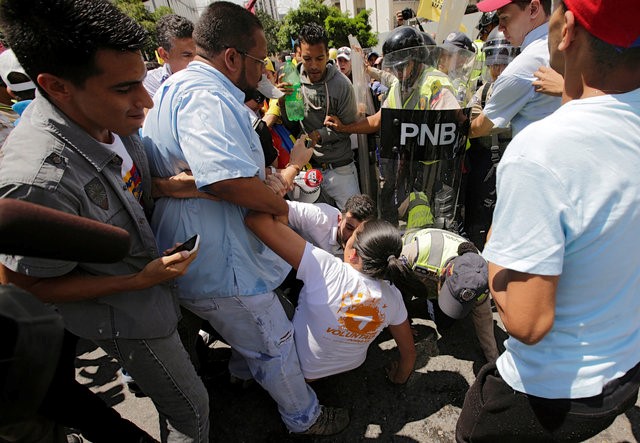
(435, 246)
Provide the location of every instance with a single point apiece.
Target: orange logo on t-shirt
(360, 316)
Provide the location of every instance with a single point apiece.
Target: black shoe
(240, 383)
(331, 421)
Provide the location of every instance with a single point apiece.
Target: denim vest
(49, 160)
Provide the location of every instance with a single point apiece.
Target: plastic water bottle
(294, 103)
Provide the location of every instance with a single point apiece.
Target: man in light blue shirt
(563, 268)
(514, 100)
(199, 122)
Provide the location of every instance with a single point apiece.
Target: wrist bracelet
(298, 168)
(272, 169)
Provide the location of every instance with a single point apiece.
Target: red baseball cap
(613, 21)
(492, 5)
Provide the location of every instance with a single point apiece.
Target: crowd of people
(520, 204)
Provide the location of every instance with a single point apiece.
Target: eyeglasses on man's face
(256, 59)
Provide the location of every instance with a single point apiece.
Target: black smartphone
(190, 245)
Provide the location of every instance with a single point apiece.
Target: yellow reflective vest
(419, 212)
(431, 83)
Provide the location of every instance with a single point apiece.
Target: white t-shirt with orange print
(340, 312)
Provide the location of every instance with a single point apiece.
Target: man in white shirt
(325, 226)
(175, 46)
(563, 271)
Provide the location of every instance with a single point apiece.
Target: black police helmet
(487, 19)
(428, 40)
(405, 37)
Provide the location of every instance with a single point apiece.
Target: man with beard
(326, 92)
(200, 123)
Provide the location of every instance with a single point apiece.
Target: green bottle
(294, 102)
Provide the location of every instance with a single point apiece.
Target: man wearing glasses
(514, 100)
(199, 122)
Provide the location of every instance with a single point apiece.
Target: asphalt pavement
(424, 410)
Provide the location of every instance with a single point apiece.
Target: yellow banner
(430, 9)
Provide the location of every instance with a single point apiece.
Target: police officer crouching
(456, 274)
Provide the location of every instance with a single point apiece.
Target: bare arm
(249, 193)
(278, 236)
(77, 286)
(402, 369)
(368, 125)
(270, 119)
(481, 126)
(525, 302)
(182, 185)
(548, 82)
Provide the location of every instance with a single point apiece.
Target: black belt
(331, 165)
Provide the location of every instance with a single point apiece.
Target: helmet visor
(456, 62)
(499, 55)
(396, 59)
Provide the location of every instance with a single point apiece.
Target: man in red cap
(514, 100)
(565, 231)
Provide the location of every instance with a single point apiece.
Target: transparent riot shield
(420, 167)
(423, 139)
(457, 64)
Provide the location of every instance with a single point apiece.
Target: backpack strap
(485, 92)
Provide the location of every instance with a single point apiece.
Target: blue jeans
(341, 183)
(163, 370)
(257, 328)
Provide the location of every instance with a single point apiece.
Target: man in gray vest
(77, 150)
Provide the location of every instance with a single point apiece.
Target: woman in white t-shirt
(343, 306)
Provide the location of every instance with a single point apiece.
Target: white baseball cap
(8, 64)
(344, 52)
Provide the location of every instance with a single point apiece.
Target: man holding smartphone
(77, 150)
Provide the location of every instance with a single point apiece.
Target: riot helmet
(403, 38)
(404, 50)
(498, 50)
(488, 22)
(456, 57)
(458, 40)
